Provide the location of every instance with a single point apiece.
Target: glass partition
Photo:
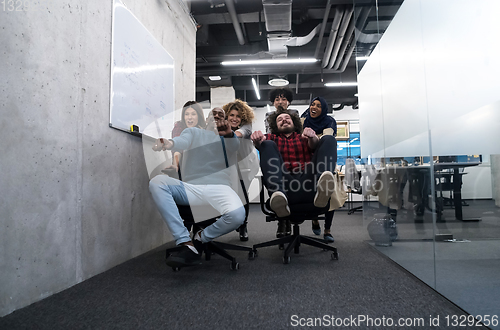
(429, 114)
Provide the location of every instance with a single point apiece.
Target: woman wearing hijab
(316, 117)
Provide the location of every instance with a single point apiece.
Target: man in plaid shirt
(296, 165)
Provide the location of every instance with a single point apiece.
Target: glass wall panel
(429, 130)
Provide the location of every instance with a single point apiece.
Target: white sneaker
(279, 204)
(324, 189)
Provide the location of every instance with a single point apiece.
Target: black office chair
(298, 214)
(213, 247)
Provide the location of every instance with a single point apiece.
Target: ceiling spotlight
(278, 82)
(214, 78)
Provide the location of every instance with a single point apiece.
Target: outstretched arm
(162, 144)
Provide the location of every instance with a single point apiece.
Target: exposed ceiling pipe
(363, 16)
(234, 19)
(349, 53)
(345, 43)
(341, 34)
(363, 37)
(323, 26)
(331, 39)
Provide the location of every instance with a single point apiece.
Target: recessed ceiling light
(362, 58)
(214, 78)
(344, 84)
(278, 82)
(271, 61)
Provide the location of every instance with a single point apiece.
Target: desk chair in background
(298, 214)
(353, 183)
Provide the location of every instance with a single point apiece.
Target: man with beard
(297, 166)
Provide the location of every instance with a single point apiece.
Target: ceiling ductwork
(278, 17)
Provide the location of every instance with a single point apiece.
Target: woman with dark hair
(191, 116)
(316, 117)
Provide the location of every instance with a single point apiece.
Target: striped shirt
(294, 150)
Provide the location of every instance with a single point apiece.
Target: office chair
(298, 214)
(213, 247)
(352, 180)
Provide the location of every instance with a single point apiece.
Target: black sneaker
(185, 257)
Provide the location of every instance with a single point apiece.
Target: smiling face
(285, 123)
(234, 119)
(315, 109)
(191, 117)
(281, 100)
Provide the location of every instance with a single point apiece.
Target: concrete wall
(75, 199)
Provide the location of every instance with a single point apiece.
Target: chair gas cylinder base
(298, 214)
(212, 247)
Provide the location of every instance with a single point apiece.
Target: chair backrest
(351, 174)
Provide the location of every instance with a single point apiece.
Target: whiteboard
(142, 77)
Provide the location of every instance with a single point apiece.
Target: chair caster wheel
(281, 246)
(235, 266)
(286, 260)
(252, 255)
(335, 256)
(176, 269)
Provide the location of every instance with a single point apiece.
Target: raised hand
(257, 138)
(309, 133)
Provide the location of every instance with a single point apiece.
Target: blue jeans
(206, 201)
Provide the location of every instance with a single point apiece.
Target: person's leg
(328, 220)
(167, 192)
(324, 161)
(227, 203)
(272, 167)
(328, 224)
(325, 155)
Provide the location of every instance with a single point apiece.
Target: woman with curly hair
(240, 116)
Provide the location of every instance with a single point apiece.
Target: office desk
(420, 175)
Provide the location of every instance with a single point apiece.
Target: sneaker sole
(323, 194)
(279, 205)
